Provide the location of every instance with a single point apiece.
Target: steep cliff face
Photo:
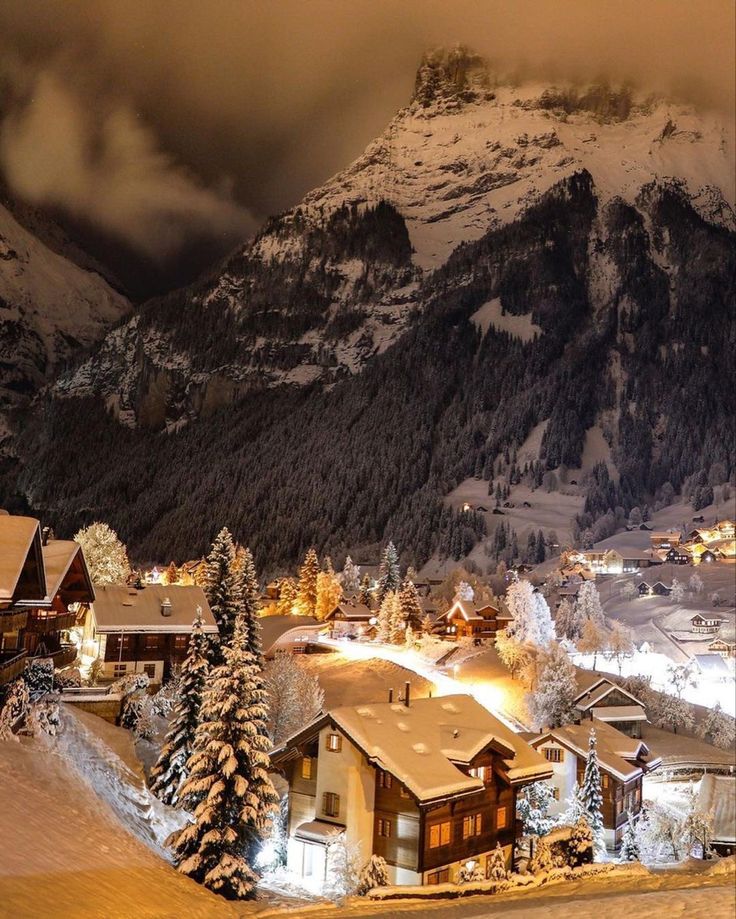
(326, 286)
(50, 310)
(501, 256)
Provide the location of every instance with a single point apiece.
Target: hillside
(502, 257)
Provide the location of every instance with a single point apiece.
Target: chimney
(407, 693)
(390, 695)
(166, 607)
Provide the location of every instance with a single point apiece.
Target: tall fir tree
(590, 792)
(246, 571)
(228, 785)
(171, 767)
(223, 591)
(350, 578)
(389, 576)
(366, 595)
(411, 605)
(308, 573)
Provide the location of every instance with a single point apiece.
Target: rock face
(347, 367)
(50, 310)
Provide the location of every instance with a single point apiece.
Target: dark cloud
(153, 118)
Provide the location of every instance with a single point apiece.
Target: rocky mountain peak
(452, 75)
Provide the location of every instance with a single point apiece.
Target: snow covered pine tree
(389, 575)
(222, 588)
(228, 782)
(170, 769)
(590, 794)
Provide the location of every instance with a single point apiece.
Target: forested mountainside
(332, 380)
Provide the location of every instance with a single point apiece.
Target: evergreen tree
(388, 617)
(350, 578)
(171, 575)
(630, 843)
(104, 554)
(246, 573)
(588, 604)
(411, 605)
(228, 783)
(223, 591)
(389, 576)
(308, 573)
(533, 805)
(329, 592)
(550, 704)
(366, 594)
(532, 622)
(171, 767)
(590, 792)
(286, 605)
(497, 867)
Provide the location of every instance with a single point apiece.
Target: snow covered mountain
(334, 281)
(51, 310)
(502, 257)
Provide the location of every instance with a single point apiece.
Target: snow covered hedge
(554, 875)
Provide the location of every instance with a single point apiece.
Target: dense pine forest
(648, 355)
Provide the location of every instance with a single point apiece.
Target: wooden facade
(619, 800)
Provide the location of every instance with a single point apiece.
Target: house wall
(563, 778)
(347, 774)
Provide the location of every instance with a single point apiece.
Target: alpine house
(428, 784)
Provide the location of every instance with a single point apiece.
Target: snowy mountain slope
(50, 310)
(300, 304)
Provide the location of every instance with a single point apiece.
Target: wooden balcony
(65, 656)
(45, 625)
(12, 664)
(13, 620)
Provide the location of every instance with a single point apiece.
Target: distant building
(143, 630)
(724, 647)
(602, 699)
(705, 623)
(351, 618)
(428, 784)
(623, 763)
(466, 619)
(712, 666)
(287, 633)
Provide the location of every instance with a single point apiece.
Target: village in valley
(403, 734)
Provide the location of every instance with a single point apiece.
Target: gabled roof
(21, 563)
(66, 568)
(354, 611)
(613, 747)
(596, 692)
(118, 608)
(472, 611)
(712, 664)
(424, 744)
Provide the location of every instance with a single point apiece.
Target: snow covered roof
(59, 555)
(319, 831)
(352, 611)
(597, 689)
(712, 664)
(273, 628)
(118, 608)
(613, 747)
(471, 611)
(424, 744)
(20, 552)
(717, 795)
(621, 713)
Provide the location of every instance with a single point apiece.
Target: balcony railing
(47, 624)
(12, 664)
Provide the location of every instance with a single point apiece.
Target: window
(119, 670)
(604, 781)
(439, 877)
(150, 671)
(151, 642)
(306, 767)
(330, 804)
(483, 773)
(439, 835)
(553, 754)
(556, 793)
(384, 827)
(472, 825)
(333, 743)
(404, 792)
(181, 642)
(385, 779)
(502, 817)
(121, 641)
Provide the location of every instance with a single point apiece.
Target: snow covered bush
(39, 675)
(718, 728)
(374, 874)
(470, 872)
(68, 677)
(532, 619)
(164, 701)
(581, 844)
(497, 869)
(629, 844)
(145, 726)
(660, 834)
(44, 717)
(532, 807)
(294, 695)
(541, 859)
(14, 710)
(343, 868)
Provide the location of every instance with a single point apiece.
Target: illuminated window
(384, 827)
(502, 817)
(385, 779)
(472, 825)
(330, 804)
(439, 835)
(553, 754)
(404, 792)
(333, 742)
(181, 642)
(604, 781)
(151, 642)
(306, 767)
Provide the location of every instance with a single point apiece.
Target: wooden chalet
(428, 784)
(44, 589)
(602, 699)
(723, 646)
(658, 589)
(351, 617)
(677, 555)
(623, 763)
(466, 619)
(144, 629)
(705, 623)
